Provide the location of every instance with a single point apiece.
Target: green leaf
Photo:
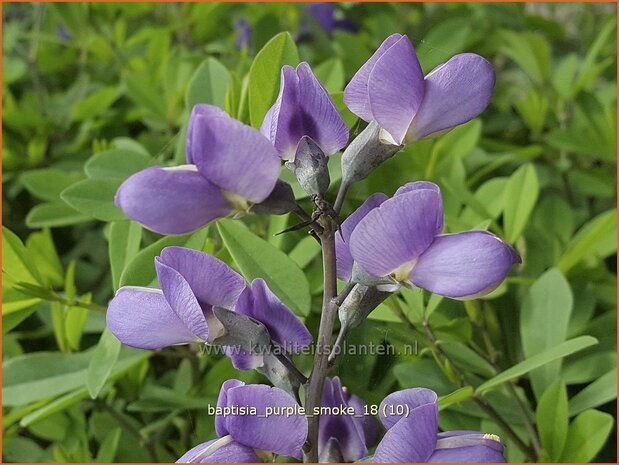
(586, 239)
(601, 391)
(17, 261)
(530, 51)
(48, 183)
(331, 74)
(95, 198)
(109, 446)
(95, 104)
(53, 215)
(209, 84)
(145, 95)
(41, 375)
(124, 244)
(544, 320)
(587, 435)
(141, 270)
(256, 258)
(520, 196)
(589, 367)
(538, 360)
(459, 395)
(102, 362)
(552, 419)
(116, 164)
(128, 359)
(41, 245)
(466, 358)
(265, 72)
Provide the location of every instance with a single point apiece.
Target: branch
(327, 319)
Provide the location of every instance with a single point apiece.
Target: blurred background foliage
(95, 92)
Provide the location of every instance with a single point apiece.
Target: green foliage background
(95, 92)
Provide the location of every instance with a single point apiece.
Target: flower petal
(284, 326)
(171, 200)
(222, 450)
(182, 300)
(419, 185)
(413, 398)
(456, 92)
(468, 447)
(342, 239)
(412, 438)
(368, 423)
(396, 88)
(464, 265)
(356, 95)
(234, 156)
(323, 122)
(304, 108)
(397, 232)
(212, 281)
(343, 427)
(281, 434)
(242, 359)
(222, 401)
(199, 110)
(141, 317)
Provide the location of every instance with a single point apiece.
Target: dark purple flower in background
(390, 89)
(344, 438)
(231, 167)
(402, 238)
(249, 436)
(303, 108)
(192, 283)
(325, 15)
(244, 31)
(64, 33)
(413, 436)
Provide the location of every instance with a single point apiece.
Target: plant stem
(341, 195)
(321, 363)
(289, 365)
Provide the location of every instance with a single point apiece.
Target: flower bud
(279, 202)
(366, 152)
(359, 304)
(310, 167)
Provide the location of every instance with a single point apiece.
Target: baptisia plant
(231, 167)
(390, 92)
(305, 127)
(247, 429)
(204, 300)
(255, 422)
(387, 243)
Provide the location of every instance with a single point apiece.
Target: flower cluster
(271, 422)
(233, 169)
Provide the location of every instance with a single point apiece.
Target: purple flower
(244, 30)
(231, 167)
(285, 329)
(63, 33)
(401, 238)
(192, 283)
(325, 15)
(303, 108)
(247, 431)
(414, 437)
(343, 437)
(391, 90)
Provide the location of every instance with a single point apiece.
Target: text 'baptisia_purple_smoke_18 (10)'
(388, 243)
